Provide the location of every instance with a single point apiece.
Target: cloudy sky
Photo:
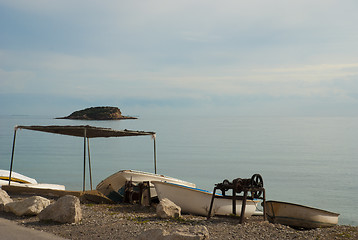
(273, 57)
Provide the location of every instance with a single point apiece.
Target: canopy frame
(86, 132)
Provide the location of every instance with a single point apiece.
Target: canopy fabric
(85, 131)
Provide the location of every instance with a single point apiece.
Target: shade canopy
(85, 131)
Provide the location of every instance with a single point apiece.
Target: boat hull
(299, 216)
(197, 201)
(116, 181)
(15, 178)
(18, 179)
(37, 185)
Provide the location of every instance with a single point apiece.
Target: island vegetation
(98, 113)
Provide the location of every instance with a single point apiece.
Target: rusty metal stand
(243, 206)
(237, 186)
(139, 193)
(144, 194)
(129, 192)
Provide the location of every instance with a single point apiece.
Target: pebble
(122, 222)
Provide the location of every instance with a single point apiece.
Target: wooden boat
(299, 216)
(116, 182)
(18, 179)
(197, 201)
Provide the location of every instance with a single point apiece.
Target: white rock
(4, 199)
(168, 209)
(183, 233)
(29, 206)
(66, 209)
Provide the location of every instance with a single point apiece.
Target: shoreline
(126, 221)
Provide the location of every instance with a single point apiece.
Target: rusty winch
(253, 185)
(238, 185)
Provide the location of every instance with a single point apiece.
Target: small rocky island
(98, 113)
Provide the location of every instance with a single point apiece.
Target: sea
(311, 161)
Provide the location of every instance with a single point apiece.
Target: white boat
(299, 216)
(15, 178)
(197, 201)
(116, 181)
(18, 179)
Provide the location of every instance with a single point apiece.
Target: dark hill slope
(98, 113)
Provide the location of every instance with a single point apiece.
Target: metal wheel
(226, 182)
(224, 186)
(256, 181)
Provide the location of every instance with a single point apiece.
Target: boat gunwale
(151, 174)
(15, 180)
(147, 174)
(299, 205)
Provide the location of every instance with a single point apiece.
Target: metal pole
(84, 160)
(12, 154)
(242, 216)
(89, 161)
(264, 204)
(211, 203)
(155, 156)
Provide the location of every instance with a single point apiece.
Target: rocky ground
(128, 221)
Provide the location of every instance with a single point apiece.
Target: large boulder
(66, 209)
(28, 206)
(4, 199)
(168, 209)
(182, 233)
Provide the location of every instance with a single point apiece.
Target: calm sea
(310, 161)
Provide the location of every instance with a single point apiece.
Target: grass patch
(344, 235)
(139, 220)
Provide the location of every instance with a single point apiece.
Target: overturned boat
(18, 179)
(115, 184)
(197, 201)
(15, 178)
(299, 216)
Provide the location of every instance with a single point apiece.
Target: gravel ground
(104, 221)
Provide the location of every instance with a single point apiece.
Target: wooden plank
(93, 196)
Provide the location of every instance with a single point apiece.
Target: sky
(250, 58)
